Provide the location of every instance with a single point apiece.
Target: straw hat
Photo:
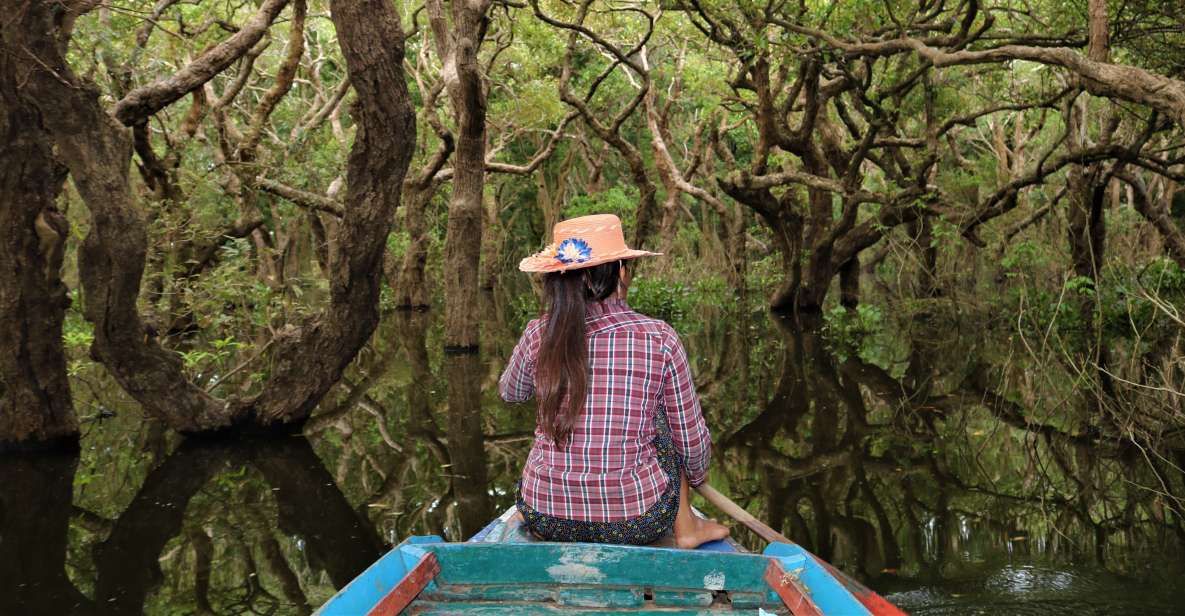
(583, 242)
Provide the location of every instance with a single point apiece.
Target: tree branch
(147, 100)
(299, 197)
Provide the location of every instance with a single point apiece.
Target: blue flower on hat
(573, 250)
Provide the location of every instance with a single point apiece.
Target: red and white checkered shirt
(609, 469)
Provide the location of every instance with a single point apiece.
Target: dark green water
(894, 454)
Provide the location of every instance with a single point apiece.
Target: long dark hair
(561, 368)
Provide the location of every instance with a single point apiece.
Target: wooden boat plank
(430, 608)
(791, 591)
(662, 597)
(599, 597)
(765, 599)
(682, 598)
(581, 596)
(537, 563)
(406, 590)
(492, 592)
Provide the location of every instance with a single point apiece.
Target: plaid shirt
(609, 470)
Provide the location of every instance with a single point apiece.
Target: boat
(504, 569)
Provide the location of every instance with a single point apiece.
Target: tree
(457, 46)
(306, 360)
(35, 401)
(839, 156)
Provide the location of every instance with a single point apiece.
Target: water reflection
(466, 442)
(335, 538)
(915, 472)
(896, 476)
(35, 506)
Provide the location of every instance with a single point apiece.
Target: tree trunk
(97, 151)
(306, 367)
(1159, 216)
(668, 227)
(819, 272)
(35, 403)
(306, 361)
(819, 266)
(411, 289)
(849, 283)
(462, 244)
(1087, 232)
(789, 241)
(1087, 189)
(492, 242)
(785, 224)
(922, 231)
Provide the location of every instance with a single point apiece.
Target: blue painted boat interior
(503, 569)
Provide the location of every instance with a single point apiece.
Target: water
(873, 453)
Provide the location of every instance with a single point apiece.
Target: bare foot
(698, 531)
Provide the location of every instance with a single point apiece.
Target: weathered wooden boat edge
(801, 582)
(504, 569)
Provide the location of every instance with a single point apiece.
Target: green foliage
(851, 332)
(944, 235)
(524, 307)
(1163, 275)
(77, 333)
(1081, 285)
(619, 200)
(1127, 305)
(222, 349)
(1025, 256)
(765, 273)
(671, 302)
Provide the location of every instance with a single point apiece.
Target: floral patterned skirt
(644, 529)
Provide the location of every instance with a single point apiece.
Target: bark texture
(35, 403)
(97, 151)
(306, 360)
(457, 47)
(1087, 184)
(408, 276)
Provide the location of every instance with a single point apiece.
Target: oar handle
(735, 511)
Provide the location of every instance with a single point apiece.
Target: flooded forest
(259, 278)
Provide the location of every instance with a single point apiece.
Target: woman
(620, 437)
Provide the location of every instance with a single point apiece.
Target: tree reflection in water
(923, 477)
(127, 563)
(919, 473)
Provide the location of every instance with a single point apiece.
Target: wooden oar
(798, 599)
(735, 511)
